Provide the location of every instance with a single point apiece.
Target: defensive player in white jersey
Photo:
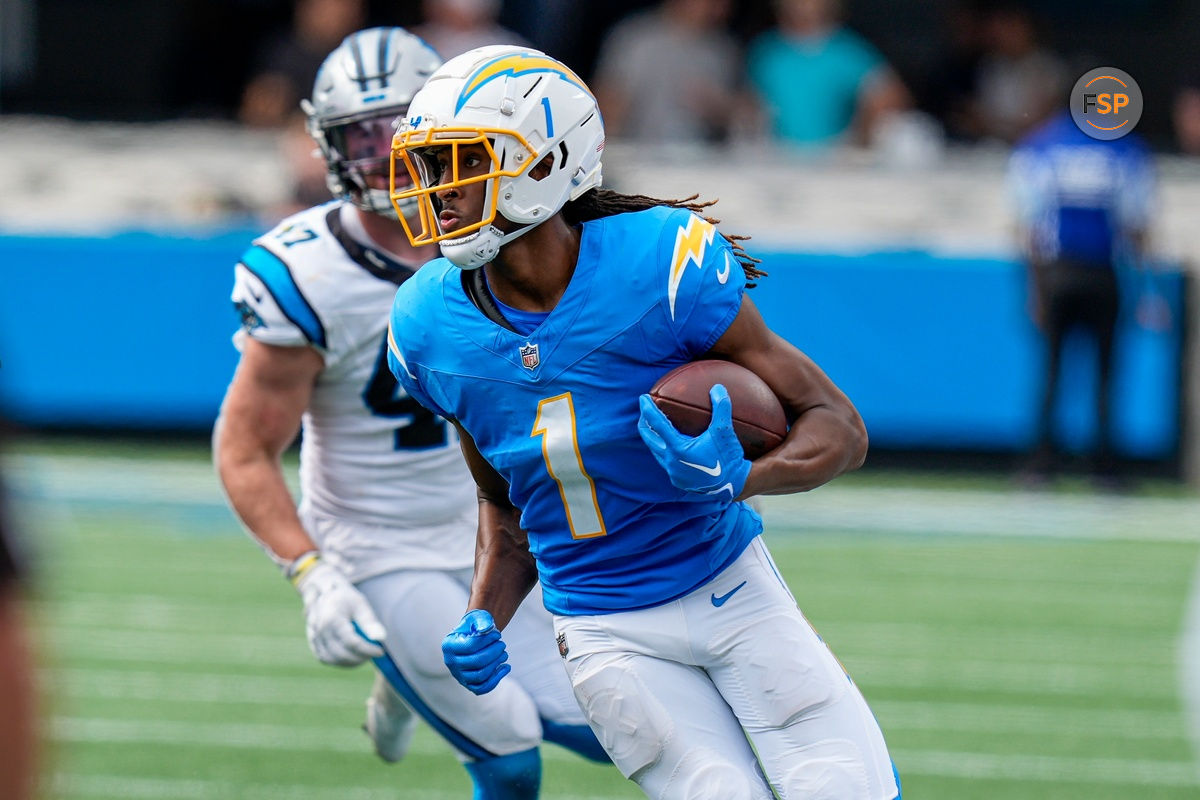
(382, 544)
(557, 306)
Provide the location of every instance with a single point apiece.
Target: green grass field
(1013, 645)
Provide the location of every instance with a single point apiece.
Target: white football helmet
(361, 88)
(522, 106)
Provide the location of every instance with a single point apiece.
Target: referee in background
(1083, 206)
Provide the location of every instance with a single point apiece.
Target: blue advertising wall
(133, 331)
(127, 331)
(940, 353)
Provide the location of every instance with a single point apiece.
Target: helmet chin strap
(479, 247)
(475, 249)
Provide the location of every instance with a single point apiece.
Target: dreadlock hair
(597, 203)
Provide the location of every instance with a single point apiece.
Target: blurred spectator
(1186, 115)
(1083, 207)
(452, 27)
(820, 82)
(954, 79)
(1020, 82)
(670, 73)
(552, 26)
(288, 61)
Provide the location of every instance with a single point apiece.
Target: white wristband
(301, 565)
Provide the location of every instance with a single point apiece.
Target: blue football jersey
(1078, 196)
(555, 412)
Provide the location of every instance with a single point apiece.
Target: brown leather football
(758, 418)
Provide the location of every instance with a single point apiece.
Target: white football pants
(674, 692)
(418, 608)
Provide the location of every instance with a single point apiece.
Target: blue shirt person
(1083, 207)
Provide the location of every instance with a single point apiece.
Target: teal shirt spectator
(810, 86)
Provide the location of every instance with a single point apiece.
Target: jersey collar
(373, 260)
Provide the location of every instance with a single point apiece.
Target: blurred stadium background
(1015, 643)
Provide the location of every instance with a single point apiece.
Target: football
(758, 418)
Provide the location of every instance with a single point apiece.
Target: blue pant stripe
(388, 667)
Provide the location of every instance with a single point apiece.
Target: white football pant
(418, 608)
(674, 691)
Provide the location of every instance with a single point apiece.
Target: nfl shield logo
(562, 644)
(529, 356)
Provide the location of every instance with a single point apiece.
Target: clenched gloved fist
(475, 653)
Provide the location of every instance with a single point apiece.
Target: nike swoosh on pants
(720, 601)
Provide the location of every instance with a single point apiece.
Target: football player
(381, 546)
(557, 305)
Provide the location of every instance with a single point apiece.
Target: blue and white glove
(710, 463)
(475, 653)
(341, 627)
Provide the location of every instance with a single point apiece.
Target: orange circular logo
(1106, 103)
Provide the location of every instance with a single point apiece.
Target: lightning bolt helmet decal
(513, 66)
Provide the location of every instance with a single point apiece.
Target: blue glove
(474, 652)
(710, 463)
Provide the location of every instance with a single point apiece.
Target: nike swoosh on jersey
(723, 275)
(720, 601)
(714, 470)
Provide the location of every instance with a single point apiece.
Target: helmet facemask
(359, 160)
(521, 108)
(415, 158)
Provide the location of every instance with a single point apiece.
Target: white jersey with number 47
(382, 480)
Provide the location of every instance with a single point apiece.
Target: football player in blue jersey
(555, 308)
(382, 544)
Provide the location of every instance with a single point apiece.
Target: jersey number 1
(555, 423)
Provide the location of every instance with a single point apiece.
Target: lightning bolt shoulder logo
(690, 243)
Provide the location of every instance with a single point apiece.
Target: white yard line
(103, 479)
(169, 647)
(1046, 769)
(129, 787)
(97, 684)
(227, 651)
(981, 512)
(209, 687)
(839, 506)
(241, 736)
(1018, 767)
(1021, 719)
